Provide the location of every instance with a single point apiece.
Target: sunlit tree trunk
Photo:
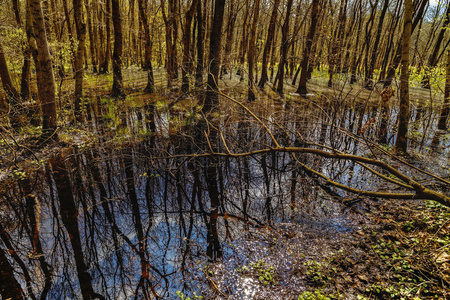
(244, 43)
(443, 118)
(368, 38)
(269, 43)
(107, 56)
(306, 53)
(79, 56)
(284, 46)
(402, 141)
(92, 29)
(117, 88)
(215, 42)
(371, 64)
(187, 60)
(45, 77)
(437, 47)
(232, 16)
(251, 52)
(11, 92)
(200, 27)
(418, 14)
(337, 43)
(150, 88)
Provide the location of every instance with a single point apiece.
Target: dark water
(136, 216)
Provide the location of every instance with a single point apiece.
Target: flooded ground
(133, 205)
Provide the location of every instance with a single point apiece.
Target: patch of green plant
(317, 295)
(319, 272)
(183, 297)
(265, 274)
(18, 174)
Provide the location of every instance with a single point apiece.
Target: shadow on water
(143, 219)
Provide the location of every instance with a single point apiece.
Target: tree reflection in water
(142, 220)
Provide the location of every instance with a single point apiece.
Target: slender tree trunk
(269, 43)
(337, 44)
(418, 13)
(107, 57)
(187, 60)
(306, 53)
(150, 88)
(355, 61)
(91, 16)
(244, 42)
(232, 15)
(215, 42)
(11, 93)
(368, 39)
(373, 57)
(200, 27)
(433, 57)
(443, 118)
(79, 55)
(117, 88)
(402, 141)
(284, 46)
(45, 77)
(251, 52)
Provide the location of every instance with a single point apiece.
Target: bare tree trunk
(368, 38)
(443, 118)
(45, 77)
(91, 16)
(117, 88)
(187, 60)
(433, 57)
(402, 141)
(107, 57)
(12, 95)
(306, 53)
(200, 27)
(418, 13)
(150, 88)
(79, 55)
(284, 47)
(371, 65)
(269, 43)
(251, 52)
(215, 42)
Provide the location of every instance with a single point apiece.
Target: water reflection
(142, 221)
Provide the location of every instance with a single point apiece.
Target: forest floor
(394, 249)
(397, 250)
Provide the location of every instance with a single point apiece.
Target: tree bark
(187, 60)
(45, 77)
(117, 88)
(433, 57)
(251, 52)
(284, 47)
(150, 88)
(79, 56)
(306, 53)
(12, 95)
(215, 42)
(269, 43)
(402, 141)
(371, 64)
(200, 27)
(443, 117)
